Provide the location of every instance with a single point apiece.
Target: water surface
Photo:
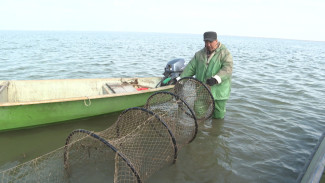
(275, 114)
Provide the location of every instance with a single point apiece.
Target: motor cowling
(173, 69)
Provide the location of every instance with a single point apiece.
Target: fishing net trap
(141, 142)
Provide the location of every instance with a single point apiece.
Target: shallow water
(275, 114)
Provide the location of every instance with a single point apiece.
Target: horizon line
(61, 30)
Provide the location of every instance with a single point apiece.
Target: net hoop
(172, 136)
(93, 135)
(178, 85)
(192, 115)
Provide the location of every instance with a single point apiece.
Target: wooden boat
(27, 103)
(313, 170)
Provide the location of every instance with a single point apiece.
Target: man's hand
(176, 79)
(212, 81)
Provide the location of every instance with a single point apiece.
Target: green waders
(219, 109)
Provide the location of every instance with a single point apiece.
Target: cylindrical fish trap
(176, 113)
(142, 143)
(197, 95)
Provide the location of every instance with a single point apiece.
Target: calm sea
(275, 114)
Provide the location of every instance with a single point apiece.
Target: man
(213, 66)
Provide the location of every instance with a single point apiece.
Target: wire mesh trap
(138, 144)
(197, 95)
(140, 140)
(176, 113)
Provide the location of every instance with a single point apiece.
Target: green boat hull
(31, 114)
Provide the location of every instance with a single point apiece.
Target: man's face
(211, 45)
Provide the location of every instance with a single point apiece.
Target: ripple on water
(275, 114)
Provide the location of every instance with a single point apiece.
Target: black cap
(210, 36)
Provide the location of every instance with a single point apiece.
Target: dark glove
(212, 81)
(174, 81)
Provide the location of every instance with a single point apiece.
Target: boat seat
(116, 88)
(4, 91)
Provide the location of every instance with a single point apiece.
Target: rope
(89, 103)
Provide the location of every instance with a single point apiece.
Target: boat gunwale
(8, 104)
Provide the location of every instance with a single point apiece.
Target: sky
(288, 19)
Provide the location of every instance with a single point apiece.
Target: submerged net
(138, 144)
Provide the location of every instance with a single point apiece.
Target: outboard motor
(173, 69)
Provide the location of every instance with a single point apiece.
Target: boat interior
(14, 91)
